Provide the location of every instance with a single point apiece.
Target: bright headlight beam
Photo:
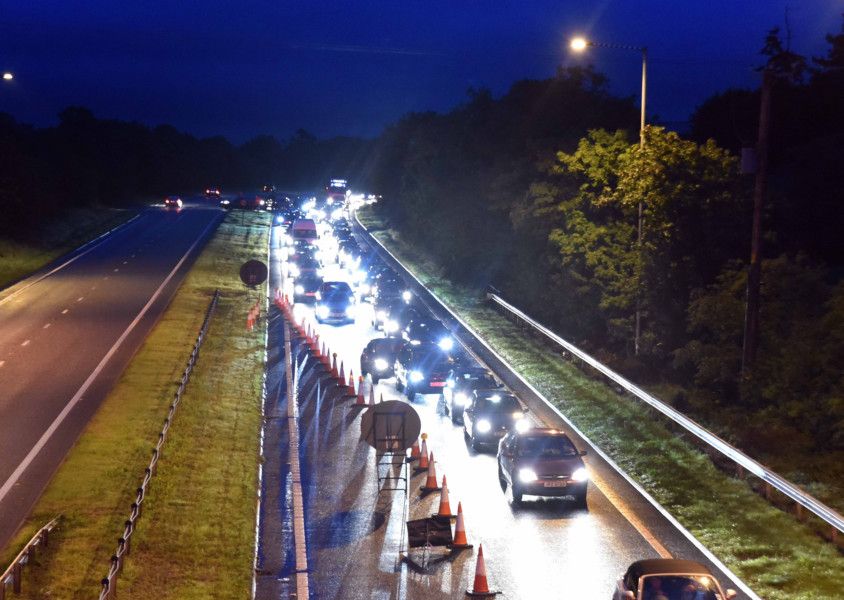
(580, 475)
(483, 426)
(416, 376)
(527, 475)
(380, 364)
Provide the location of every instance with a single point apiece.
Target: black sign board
(429, 532)
(253, 272)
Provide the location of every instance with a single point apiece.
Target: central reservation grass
(195, 538)
(770, 550)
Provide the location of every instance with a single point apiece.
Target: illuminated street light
(580, 44)
(7, 76)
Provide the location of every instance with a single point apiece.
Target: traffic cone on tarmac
(423, 455)
(460, 542)
(350, 387)
(431, 481)
(360, 401)
(414, 451)
(445, 507)
(342, 376)
(371, 394)
(480, 589)
(334, 372)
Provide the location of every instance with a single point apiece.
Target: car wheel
(474, 443)
(454, 418)
(411, 393)
(517, 494)
(580, 501)
(399, 384)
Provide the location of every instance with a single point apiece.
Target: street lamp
(7, 76)
(580, 44)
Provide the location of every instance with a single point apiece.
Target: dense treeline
(537, 193)
(87, 161)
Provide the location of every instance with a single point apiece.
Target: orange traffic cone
(423, 454)
(342, 376)
(315, 346)
(334, 372)
(250, 321)
(460, 542)
(326, 356)
(414, 451)
(431, 481)
(481, 587)
(445, 507)
(361, 401)
(350, 387)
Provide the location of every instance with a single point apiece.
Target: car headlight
(446, 344)
(380, 364)
(527, 475)
(522, 425)
(381, 315)
(416, 376)
(406, 295)
(225, 202)
(579, 474)
(350, 310)
(293, 270)
(279, 219)
(363, 288)
(483, 426)
(391, 326)
(299, 289)
(322, 311)
(461, 399)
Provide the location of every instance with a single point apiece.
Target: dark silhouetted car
(335, 303)
(490, 416)
(669, 578)
(421, 369)
(461, 382)
(542, 462)
(173, 202)
(379, 358)
(306, 287)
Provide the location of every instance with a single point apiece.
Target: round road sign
(390, 425)
(253, 272)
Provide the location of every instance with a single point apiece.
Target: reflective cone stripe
(342, 376)
(460, 540)
(431, 481)
(351, 384)
(481, 586)
(414, 451)
(334, 365)
(445, 506)
(360, 399)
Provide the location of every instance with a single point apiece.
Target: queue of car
(420, 354)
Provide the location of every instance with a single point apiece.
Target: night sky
(245, 68)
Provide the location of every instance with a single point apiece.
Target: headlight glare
(483, 426)
(461, 399)
(579, 474)
(322, 311)
(416, 376)
(522, 425)
(527, 475)
(380, 364)
(299, 289)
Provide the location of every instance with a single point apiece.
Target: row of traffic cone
(252, 315)
(480, 587)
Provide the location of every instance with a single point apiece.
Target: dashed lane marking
(46, 325)
(64, 312)
(25, 343)
(80, 298)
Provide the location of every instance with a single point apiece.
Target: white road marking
(93, 287)
(25, 343)
(64, 312)
(45, 437)
(125, 262)
(46, 326)
(79, 299)
(2, 362)
(116, 270)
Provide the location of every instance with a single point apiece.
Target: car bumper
(553, 487)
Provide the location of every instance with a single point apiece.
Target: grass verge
(771, 551)
(195, 538)
(20, 258)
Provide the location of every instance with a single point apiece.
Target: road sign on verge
(253, 272)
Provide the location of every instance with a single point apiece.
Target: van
(304, 229)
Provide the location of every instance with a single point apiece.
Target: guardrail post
(116, 565)
(2, 590)
(768, 491)
(104, 583)
(45, 538)
(130, 528)
(16, 578)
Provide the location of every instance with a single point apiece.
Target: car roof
(666, 566)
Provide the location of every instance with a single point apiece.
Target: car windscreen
(336, 290)
(548, 446)
(505, 404)
(679, 587)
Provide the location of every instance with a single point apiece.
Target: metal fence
(743, 462)
(109, 582)
(14, 574)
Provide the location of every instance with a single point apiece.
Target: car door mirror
(730, 594)
(582, 453)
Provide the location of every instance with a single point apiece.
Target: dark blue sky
(241, 68)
